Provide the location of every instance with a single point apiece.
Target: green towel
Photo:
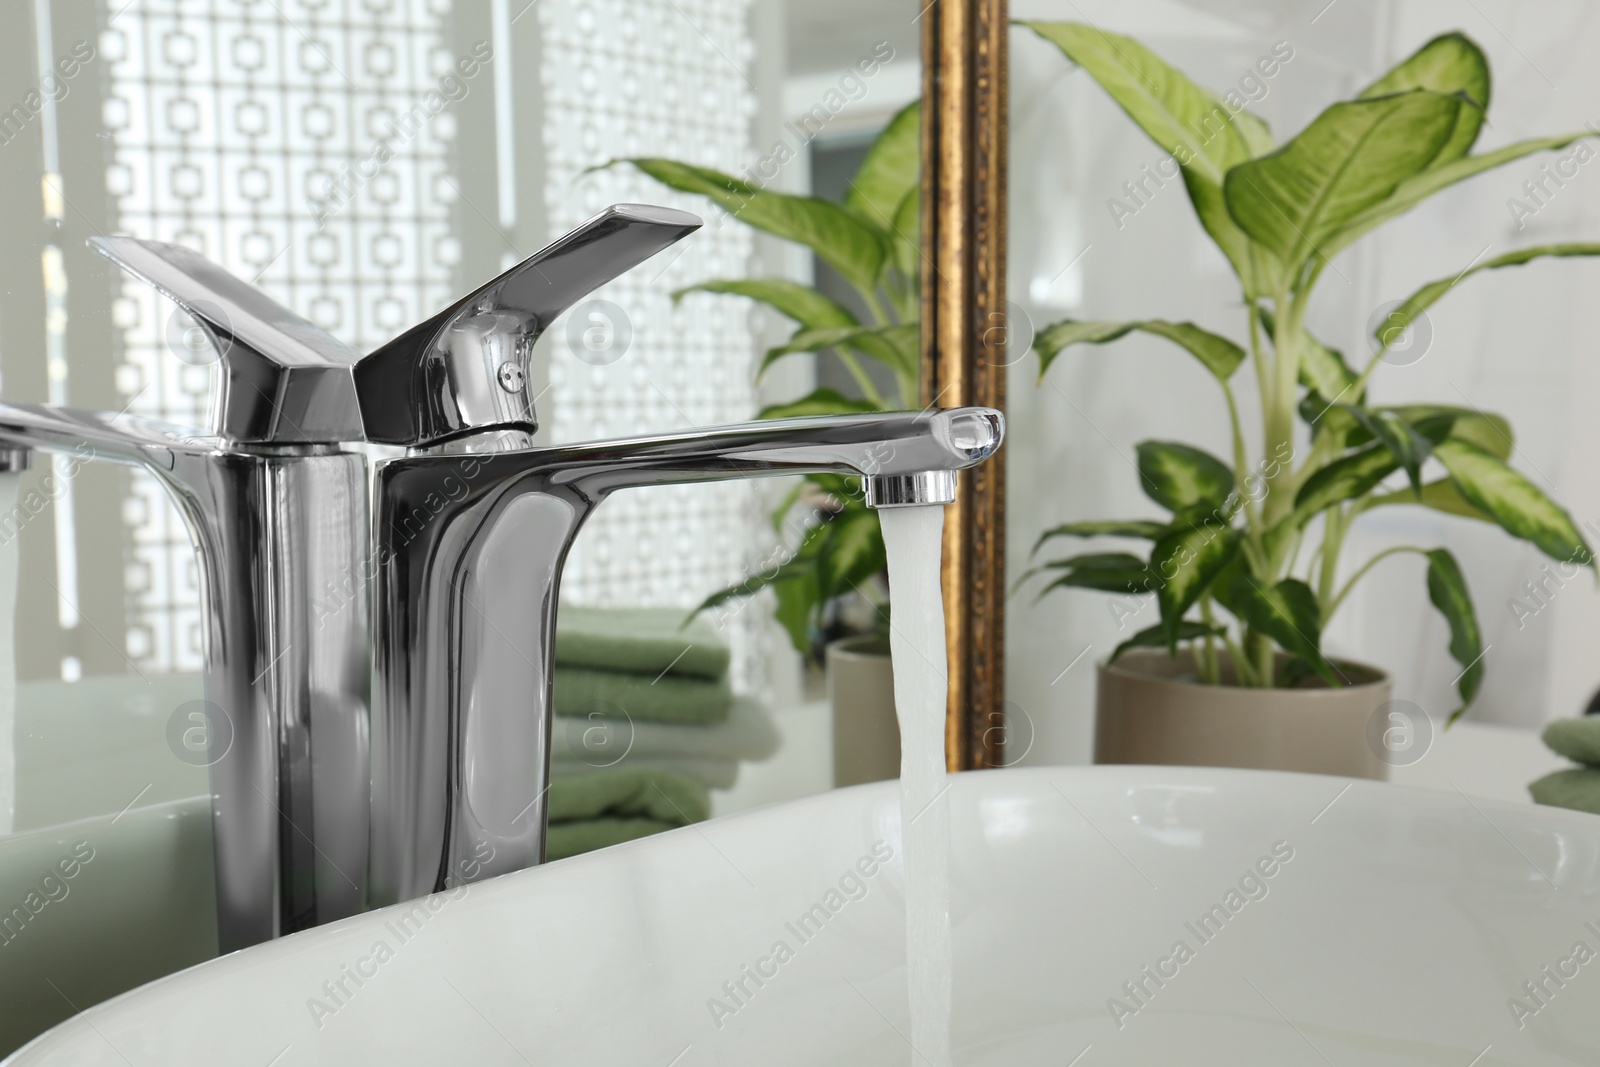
(575, 838)
(673, 698)
(640, 640)
(1577, 788)
(1576, 739)
(610, 807)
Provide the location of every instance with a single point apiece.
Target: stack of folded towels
(646, 725)
(1575, 787)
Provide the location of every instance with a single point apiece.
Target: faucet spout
(471, 548)
(878, 447)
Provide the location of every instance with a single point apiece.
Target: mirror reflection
(363, 166)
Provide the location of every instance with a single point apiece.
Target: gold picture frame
(964, 80)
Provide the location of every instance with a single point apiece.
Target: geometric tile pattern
(671, 78)
(302, 144)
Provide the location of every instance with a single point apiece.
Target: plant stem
(1241, 662)
(1266, 661)
(1279, 416)
(876, 307)
(1294, 550)
(1333, 531)
(1372, 364)
(1333, 606)
(907, 388)
(1322, 450)
(863, 379)
(1210, 672)
(1252, 514)
(1258, 358)
(901, 296)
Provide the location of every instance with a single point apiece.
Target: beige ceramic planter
(1150, 709)
(866, 736)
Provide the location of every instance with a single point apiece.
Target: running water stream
(913, 536)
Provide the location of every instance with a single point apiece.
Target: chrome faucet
(466, 609)
(275, 510)
(399, 744)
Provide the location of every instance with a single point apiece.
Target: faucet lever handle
(466, 368)
(283, 380)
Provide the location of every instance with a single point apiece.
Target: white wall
(1513, 341)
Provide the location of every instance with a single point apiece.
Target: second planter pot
(866, 735)
(1150, 708)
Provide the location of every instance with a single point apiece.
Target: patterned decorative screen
(656, 78)
(252, 132)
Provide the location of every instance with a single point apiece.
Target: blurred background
(252, 132)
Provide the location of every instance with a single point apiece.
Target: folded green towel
(1576, 739)
(632, 793)
(674, 698)
(610, 807)
(575, 838)
(1577, 788)
(641, 640)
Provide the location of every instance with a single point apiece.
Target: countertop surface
(1475, 759)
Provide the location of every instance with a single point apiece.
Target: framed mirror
(967, 345)
(364, 162)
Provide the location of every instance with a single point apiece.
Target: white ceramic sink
(1393, 926)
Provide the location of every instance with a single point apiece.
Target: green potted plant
(1245, 566)
(833, 552)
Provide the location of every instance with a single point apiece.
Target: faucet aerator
(910, 490)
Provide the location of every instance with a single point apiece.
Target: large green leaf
(1150, 531)
(819, 402)
(1325, 370)
(1393, 437)
(908, 234)
(1156, 637)
(1414, 190)
(1219, 355)
(1179, 116)
(896, 347)
(851, 551)
(1183, 564)
(891, 169)
(1448, 591)
(797, 604)
(1288, 613)
(805, 305)
(1110, 572)
(848, 243)
(1256, 133)
(1484, 429)
(1351, 157)
(1418, 302)
(1401, 438)
(1440, 496)
(1450, 63)
(794, 584)
(1344, 479)
(1180, 478)
(1519, 506)
(1324, 417)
